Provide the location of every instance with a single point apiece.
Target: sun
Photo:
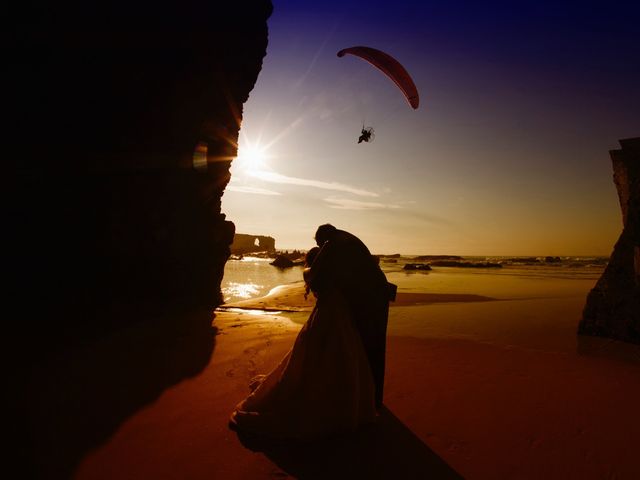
(252, 158)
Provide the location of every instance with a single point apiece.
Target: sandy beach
(475, 388)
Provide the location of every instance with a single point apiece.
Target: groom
(346, 263)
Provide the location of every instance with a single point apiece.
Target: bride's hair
(311, 256)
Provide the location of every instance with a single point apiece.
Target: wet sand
(477, 386)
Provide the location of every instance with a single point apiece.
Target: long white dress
(322, 386)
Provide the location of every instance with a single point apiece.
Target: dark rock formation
(282, 262)
(523, 260)
(613, 306)
(123, 120)
(243, 244)
(437, 257)
(454, 263)
(416, 266)
(550, 259)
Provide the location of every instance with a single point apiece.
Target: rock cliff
(243, 243)
(123, 121)
(613, 306)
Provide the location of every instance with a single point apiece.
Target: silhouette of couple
(332, 380)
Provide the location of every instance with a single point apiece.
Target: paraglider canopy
(390, 67)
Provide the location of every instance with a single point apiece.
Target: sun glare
(252, 158)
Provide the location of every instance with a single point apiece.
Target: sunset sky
(506, 155)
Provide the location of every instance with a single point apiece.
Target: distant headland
(244, 243)
(265, 247)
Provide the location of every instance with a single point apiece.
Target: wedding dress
(323, 385)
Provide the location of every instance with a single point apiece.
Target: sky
(507, 153)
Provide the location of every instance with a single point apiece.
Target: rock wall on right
(613, 306)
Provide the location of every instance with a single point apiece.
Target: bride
(323, 385)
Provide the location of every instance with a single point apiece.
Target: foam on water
(253, 277)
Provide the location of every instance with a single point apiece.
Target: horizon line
(288, 249)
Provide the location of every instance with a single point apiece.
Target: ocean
(500, 277)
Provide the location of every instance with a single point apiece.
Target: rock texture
(108, 108)
(282, 262)
(123, 121)
(613, 306)
(416, 266)
(243, 243)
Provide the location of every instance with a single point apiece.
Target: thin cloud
(338, 187)
(254, 190)
(292, 126)
(302, 79)
(348, 204)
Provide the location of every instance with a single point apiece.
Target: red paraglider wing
(390, 67)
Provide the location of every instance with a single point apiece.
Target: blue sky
(507, 154)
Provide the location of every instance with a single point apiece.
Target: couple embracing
(332, 380)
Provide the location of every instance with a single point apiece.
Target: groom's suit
(345, 262)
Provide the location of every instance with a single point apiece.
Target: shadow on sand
(387, 449)
(601, 347)
(78, 397)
